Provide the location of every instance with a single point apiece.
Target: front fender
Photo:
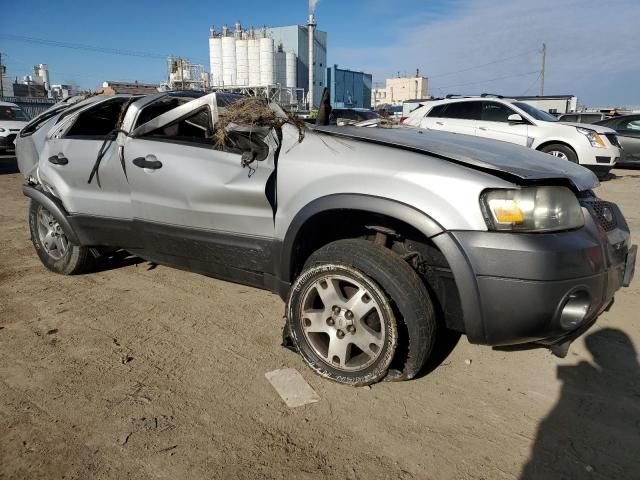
(56, 208)
(349, 201)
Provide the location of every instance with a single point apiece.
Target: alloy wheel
(558, 154)
(50, 234)
(342, 322)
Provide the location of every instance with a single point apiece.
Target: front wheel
(561, 151)
(52, 245)
(358, 309)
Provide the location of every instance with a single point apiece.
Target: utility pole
(544, 59)
(1, 75)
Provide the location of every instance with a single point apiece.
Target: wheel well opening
(405, 240)
(556, 142)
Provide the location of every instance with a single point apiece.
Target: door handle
(483, 128)
(439, 123)
(59, 160)
(142, 162)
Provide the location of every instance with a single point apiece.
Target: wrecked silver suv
(378, 239)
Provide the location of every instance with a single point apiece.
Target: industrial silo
(281, 67)
(229, 61)
(242, 62)
(291, 65)
(253, 54)
(215, 58)
(267, 76)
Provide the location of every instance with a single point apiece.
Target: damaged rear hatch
(500, 158)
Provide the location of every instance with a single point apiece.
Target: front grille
(603, 212)
(613, 139)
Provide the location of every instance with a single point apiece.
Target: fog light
(575, 310)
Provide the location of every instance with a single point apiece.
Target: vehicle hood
(590, 126)
(480, 153)
(12, 124)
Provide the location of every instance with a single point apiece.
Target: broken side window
(157, 108)
(97, 122)
(195, 128)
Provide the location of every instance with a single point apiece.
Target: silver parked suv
(378, 239)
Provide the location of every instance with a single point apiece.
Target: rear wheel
(52, 245)
(355, 309)
(560, 151)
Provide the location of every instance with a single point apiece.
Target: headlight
(2, 129)
(532, 209)
(592, 136)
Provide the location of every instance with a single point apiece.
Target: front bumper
(7, 141)
(543, 288)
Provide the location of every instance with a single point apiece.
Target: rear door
(495, 124)
(456, 117)
(194, 201)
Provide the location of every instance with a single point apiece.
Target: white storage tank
(215, 60)
(292, 70)
(242, 62)
(281, 68)
(229, 61)
(267, 76)
(253, 54)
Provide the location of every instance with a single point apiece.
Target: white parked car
(508, 120)
(12, 119)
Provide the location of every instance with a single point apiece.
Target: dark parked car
(353, 114)
(628, 128)
(583, 117)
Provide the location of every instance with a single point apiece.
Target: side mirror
(515, 118)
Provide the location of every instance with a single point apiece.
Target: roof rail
(483, 95)
(455, 95)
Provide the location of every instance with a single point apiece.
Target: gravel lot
(140, 371)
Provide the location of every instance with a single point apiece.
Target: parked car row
(593, 146)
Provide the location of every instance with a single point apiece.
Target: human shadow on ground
(594, 430)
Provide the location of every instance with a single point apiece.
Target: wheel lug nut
(340, 334)
(331, 322)
(336, 310)
(351, 329)
(348, 315)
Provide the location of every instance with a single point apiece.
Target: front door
(496, 126)
(195, 203)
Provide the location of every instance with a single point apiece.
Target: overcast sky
(463, 46)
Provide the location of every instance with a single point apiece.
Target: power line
(522, 54)
(490, 79)
(82, 46)
(532, 84)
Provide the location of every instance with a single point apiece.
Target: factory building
(270, 59)
(348, 89)
(295, 38)
(398, 90)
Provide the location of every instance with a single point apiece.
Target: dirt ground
(140, 371)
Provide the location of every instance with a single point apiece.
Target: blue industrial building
(348, 89)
